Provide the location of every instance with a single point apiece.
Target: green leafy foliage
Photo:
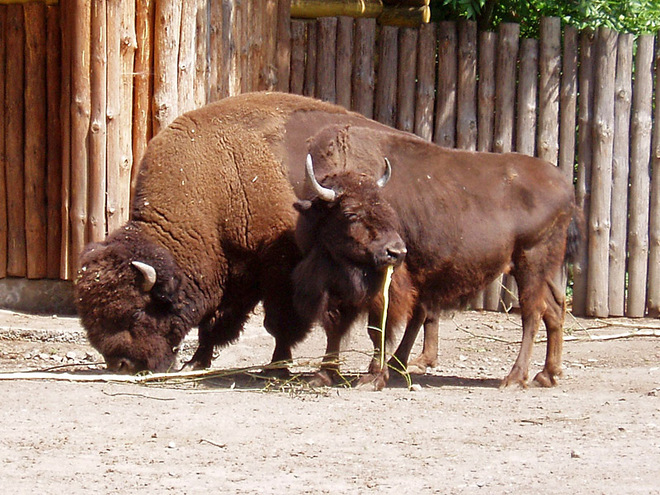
(634, 16)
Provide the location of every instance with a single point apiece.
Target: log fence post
(599, 224)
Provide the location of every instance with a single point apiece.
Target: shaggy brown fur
(213, 213)
(347, 245)
(467, 217)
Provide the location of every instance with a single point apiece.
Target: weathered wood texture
(599, 224)
(85, 85)
(620, 168)
(653, 296)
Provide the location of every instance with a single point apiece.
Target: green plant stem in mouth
(383, 318)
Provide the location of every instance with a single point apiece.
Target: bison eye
(351, 217)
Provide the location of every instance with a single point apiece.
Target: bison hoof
(419, 365)
(514, 378)
(546, 379)
(374, 382)
(322, 378)
(278, 372)
(195, 366)
(416, 369)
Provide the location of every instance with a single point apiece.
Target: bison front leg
(335, 329)
(378, 374)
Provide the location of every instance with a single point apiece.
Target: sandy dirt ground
(597, 432)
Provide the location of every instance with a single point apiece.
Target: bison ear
(148, 275)
(302, 205)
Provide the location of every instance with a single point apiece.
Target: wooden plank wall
(85, 84)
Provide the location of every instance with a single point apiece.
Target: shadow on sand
(267, 382)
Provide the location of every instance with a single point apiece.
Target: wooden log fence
(84, 85)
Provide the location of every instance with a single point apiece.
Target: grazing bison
(348, 237)
(211, 233)
(466, 218)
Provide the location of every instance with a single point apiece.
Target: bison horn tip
(149, 274)
(325, 193)
(387, 175)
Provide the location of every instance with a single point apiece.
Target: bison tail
(574, 238)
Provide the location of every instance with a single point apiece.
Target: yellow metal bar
(311, 9)
(47, 2)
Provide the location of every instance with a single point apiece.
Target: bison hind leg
(554, 324)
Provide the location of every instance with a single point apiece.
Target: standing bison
(349, 236)
(211, 233)
(466, 218)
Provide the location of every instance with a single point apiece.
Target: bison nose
(396, 254)
(121, 365)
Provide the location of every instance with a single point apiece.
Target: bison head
(348, 235)
(126, 294)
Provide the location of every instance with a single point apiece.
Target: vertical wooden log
(406, 79)
(283, 55)
(143, 83)
(640, 167)
(486, 91)
(14, 141)
(445, 103)
(113, 113)
(3, 158)
(269, 71)
(166, 51)
(97, 129)
(601, 178)
(187, 52)
(527, 94)
(310, 67)
(620, 168)
(54, 141)
(119, 182)
(583, 184)
(385, 109)
(80, 122)
(297, 80)
(550, 68)
(504, 118)
(364, 74)
(425, 98)
(66, 258)
(253, 30)
(505, 92)
(653, 295)
(326, 59)
(344, 61)
(485, 124)
(202, 73)
(568, 102)
(230, 47)
(35, 139)
(466, 93)
(241, 33)
(216, 73)
(256, 43)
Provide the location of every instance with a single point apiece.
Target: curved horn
(387, 175)
(326, 194)
(149, 274)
